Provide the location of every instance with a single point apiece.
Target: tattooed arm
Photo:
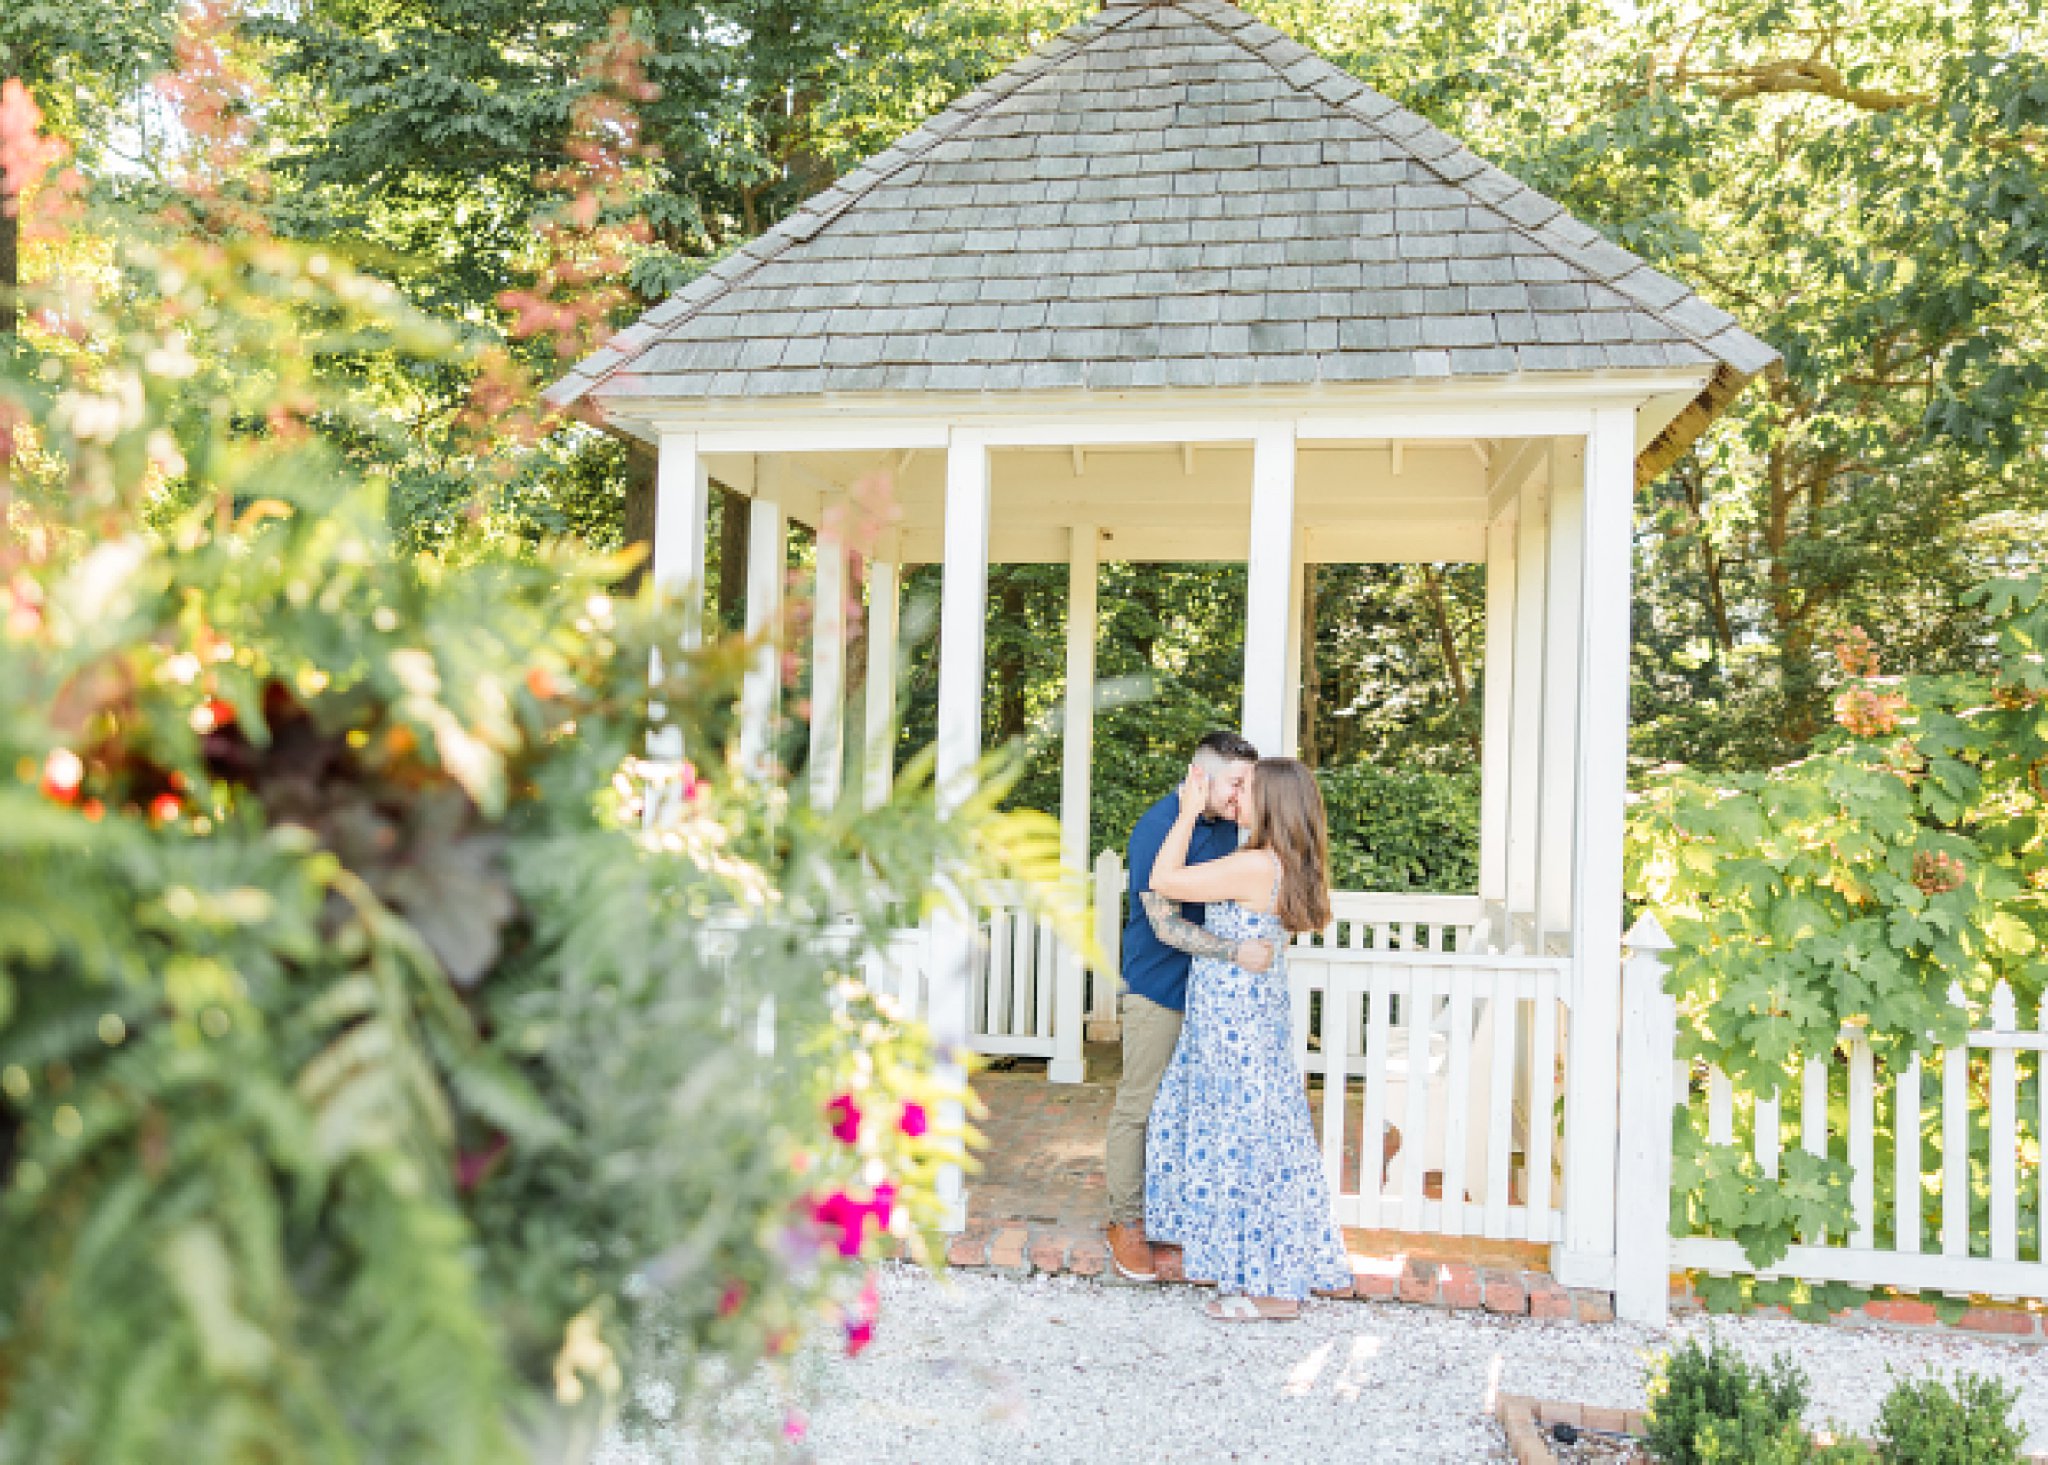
(1177, 931)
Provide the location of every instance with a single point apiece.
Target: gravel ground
(977, 1368)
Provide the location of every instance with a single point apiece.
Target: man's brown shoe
(1131, 1254)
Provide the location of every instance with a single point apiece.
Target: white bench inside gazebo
(1173, 289)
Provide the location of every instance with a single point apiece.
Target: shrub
(1850, 890)
(1708, 1406)
(1927, 1422)
(367, 1074)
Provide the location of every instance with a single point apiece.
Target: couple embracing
(1210, 1146)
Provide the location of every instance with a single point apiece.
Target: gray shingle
(1169, 193)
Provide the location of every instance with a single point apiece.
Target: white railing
(1458, 1053)
(1914, 1223)
(1025, 986)
(1361, 921)
(1104, 982)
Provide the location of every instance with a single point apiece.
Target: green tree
(374, 1075)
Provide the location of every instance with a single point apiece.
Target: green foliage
(369, 1079)
(1708, 1406)
(1850, 890)
(1926, 1421)
(1402, 829)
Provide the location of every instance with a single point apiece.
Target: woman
(1232, 1172)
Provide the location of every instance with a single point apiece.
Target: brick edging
(1526, 1422)
(1886, 1311)
(1021, 1250)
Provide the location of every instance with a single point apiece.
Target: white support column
(1078, 754)
(1297, 589)
(1267, 569)
(767, 567)
(1497, 707)
(1562, 672)
(1077, 764)
(682, 510)
(1649, 1038)
(878, 764)
(1592, 1097)
(682, 515)
(1525, 716)
(963, 618)
(828, 667)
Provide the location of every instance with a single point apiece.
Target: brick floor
(1039, 1203)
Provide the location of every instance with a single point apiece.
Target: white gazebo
(1173, 288)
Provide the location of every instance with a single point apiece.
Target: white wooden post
(1649, 1036)
(1078, 755)
(1592, 1093)
(1105, 1025)
(878, 766)
(963, 615)
(1267, 568)
(1562, 585)
(767, 567)
(1077, 763)
(682, 510)
(1525, 716)
(1297, 592)
(1497, 709)
(828, 666)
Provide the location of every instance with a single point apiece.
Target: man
(1160, 943)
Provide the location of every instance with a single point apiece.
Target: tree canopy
(1861, 184)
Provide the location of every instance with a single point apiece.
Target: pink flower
(860, 1325)
(794, 1425)
(914, 1121)
(845, 1117)
(841, 1212)
(732, 1298)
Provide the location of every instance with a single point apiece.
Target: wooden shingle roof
(1167, 195)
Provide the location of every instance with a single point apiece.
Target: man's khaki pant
(1150, 1034)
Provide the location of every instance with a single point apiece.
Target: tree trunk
(1311, 672)
(1433, 578)
(638, 519)
(734, 527)
(1009, 667)
(10, 264)
(1447, 641)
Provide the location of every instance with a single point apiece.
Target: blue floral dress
(1232, 1171)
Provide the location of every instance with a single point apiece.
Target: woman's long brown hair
(1288, 819)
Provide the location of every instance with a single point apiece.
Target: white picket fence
(1026, 985)
(1915, 1222)
(1459, 1053)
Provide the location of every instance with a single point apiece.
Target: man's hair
(1227, 747)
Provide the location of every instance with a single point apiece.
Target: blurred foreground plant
(368, 1077)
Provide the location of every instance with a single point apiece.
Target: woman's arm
(1246, 876)
(1176, 930)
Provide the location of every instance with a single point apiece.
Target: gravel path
(977, 1368)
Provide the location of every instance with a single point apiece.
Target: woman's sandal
(1238, 1309)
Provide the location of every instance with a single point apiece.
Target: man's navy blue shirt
(1152, 969)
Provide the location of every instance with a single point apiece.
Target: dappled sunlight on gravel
(980, 1368)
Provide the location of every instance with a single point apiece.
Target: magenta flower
(794, 1425)
(914, 1121)
(845, 1117)
(732, 1298)
(860, 1325)
(849, 1217)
